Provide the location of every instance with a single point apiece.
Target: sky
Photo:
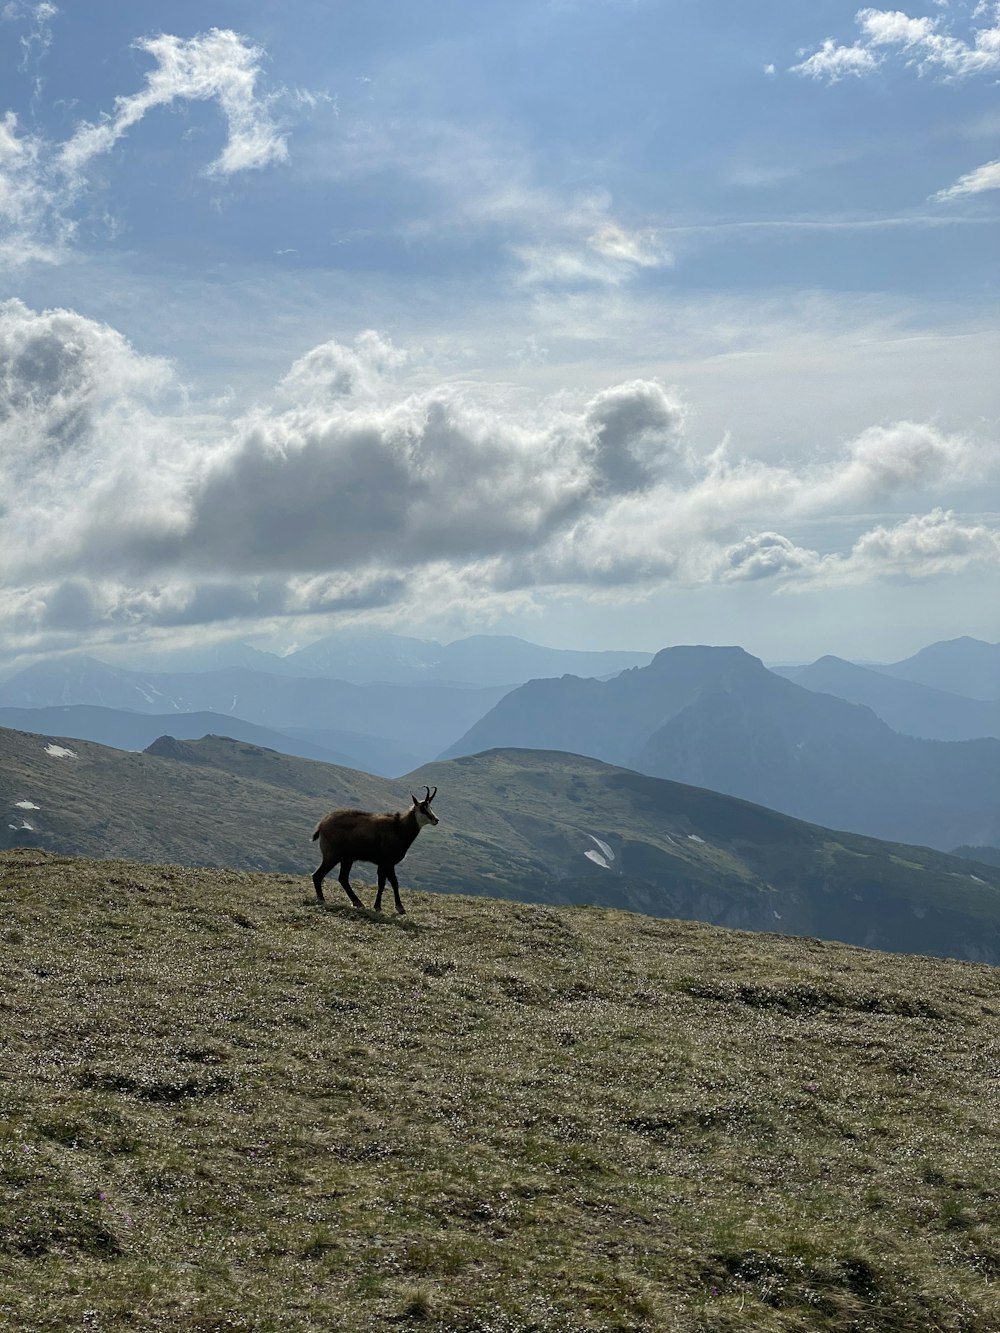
(609, 323)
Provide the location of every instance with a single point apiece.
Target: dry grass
(223, 1107)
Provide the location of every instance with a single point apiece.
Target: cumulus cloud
(638, 434)
(904, 459)
(924, 545)
(351, 487)
(833, 62)
(433, 475)
(928, 44)
(921, 546)
(765, 555)
(333, 371)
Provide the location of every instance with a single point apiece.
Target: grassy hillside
(224, 1107)
(514, 824)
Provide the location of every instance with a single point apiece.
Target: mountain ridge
(418, 720)
(516, 824)
(708, 716)
(962, 666)
(909, 707)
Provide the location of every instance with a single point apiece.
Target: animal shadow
(367, 914)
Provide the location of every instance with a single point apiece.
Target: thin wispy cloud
(483, 185)
(986, 177)
(42, 180)
(216, 66)
(36, 20)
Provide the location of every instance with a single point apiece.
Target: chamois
(346, 836)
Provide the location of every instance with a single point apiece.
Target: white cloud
(38, 37)
(833, 62)
(42, 182)
(903, 459)
(923, 546)
(764, 555)
(928, 44)
(986, 177)
(485, 185)
(585, 246)
(333, 371)
(926, 544)
(31, 225)
(353, 486)
(218, 65)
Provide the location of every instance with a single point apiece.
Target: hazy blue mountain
(482, 659)
(210, 657)
(716, 717)
(960, 666)
(610, 720)
(136, 731)
(823, 759)
(989, 856)
(613, 719)
(365, 657)
(906, 705)
(417, 720)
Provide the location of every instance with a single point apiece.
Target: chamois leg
(400, 909)
(381, 886)
(320, 873)
(345, 880)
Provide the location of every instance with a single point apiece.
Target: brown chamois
(346, 836)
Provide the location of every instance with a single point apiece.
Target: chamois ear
(414, 799)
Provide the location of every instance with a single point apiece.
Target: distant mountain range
(716, 717)
(906, 705)
(528, 825)
(958, 666)
(379, 657)
(135, 731)
(788, 738)
(382, 728)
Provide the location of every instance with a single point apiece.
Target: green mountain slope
(527, 825)
(227, 1108)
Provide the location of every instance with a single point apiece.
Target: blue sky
(606, 322)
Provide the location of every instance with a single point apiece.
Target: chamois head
(422, 809)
